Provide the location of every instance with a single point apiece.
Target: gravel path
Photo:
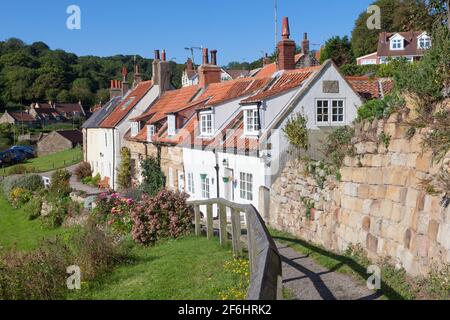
(309, 281)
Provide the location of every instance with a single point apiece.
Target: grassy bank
(17, 230)
(49, 162)
(190, 268)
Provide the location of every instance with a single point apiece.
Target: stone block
(443, 237)
(433, 229)
(366, 224)
(422, 223)
(372, 243)
(363, 191)
(359, 175)
(377, 160)
(374, 176)
(424, 162)
(399, 159)
(377, 192)
(411, 198)
(395, 177)
(411, 160)
(351, 189)
(397, 213)
(396, 194)
(367, 206)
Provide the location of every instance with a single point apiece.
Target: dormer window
(397, 44)
(151, 131)
(171, 125)
(424, 42)
(135, 128)
(251, 121)
(206, 124)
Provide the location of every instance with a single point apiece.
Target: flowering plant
(115, 211)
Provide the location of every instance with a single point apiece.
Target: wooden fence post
(236, 232)
(209, 222)
(251, 244)
(223, 224)
(198, 227)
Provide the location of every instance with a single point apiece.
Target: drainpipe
(114, 159)
(258, 106)
(217, 172)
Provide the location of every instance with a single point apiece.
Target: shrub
(33, 208)
(92, 181)
(37, 275)
(58, 213)
(154, 179)
(95, 252)
(166, 215)
(115, 211)
(83, 171)
(31, 183)
(19, 197)
(124, 175)
(338, 145)
(379, 109)
(20, 169)
(297, 132)
(60, 183)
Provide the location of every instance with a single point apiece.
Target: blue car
(5, 159)
(27, 151)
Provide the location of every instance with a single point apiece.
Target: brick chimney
(115, 90)
(137, 76)
(209, 73)
(305, 44)
(162, 72)
(125, 84)
(189, 65)
(286, 48)
(266, 60)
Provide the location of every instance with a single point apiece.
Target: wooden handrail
(265, 260)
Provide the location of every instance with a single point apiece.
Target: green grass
(191, 268)
(17, 230)
(50, 162)
(394, 282)
(57, 126)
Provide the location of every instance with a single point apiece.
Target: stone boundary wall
(378, 203)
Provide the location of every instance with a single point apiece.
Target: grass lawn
(50, 162)
(16, 229)
(191, 268)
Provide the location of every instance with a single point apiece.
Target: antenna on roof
(191, 49)
(276, 22)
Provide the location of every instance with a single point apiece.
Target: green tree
(124, 176)
(339, 49)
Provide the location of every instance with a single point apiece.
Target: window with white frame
(397, 44)
(171, 125)
(151, 131)
(337, 111)
(424, 42)
(135, 127)
(190, 183)
(251, 120)
(322, 114)
(246, 186)
(206, 124)
(205, 186)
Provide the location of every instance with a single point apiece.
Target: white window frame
(206, 188)
(246, 186)
(135, 128)
(329, 111)
(171, 125)
(151, 131)
(426, 42)
(190, 183)
(206, 118)
(252, 129)
(397, 42)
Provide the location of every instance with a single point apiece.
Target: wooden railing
(265, 260)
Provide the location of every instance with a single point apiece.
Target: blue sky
(239, 29)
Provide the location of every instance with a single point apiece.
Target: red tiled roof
(410, 46)
(287, 81)
(127, 105)
(267, 71)
(371, 88)
(21, 116)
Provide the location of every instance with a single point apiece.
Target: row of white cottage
(223, 139)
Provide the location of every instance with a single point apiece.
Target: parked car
(25, 149)
(21, 152)
(5, 159)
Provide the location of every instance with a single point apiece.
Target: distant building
(410, 45)
(18, 118)
(58, 141)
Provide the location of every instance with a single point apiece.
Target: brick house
(58, 141)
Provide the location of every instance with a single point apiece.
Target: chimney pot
(305, 44)
(163, 55)
(214, 57)
(205, 56)
(157, 56)
(286, 30)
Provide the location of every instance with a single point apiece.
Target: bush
(20, 169)
(92, 181)
(338, 145)
(124, 175)
(115, 211)
(33, 208)
(96, 252)
(83, 171)
(379, 109)
(30, 183)
(37, 275)
(297, 132)
(19, 197)
(60, 183)
(58, 213)
(154, 179)
(166, 215)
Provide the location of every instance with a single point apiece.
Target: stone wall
(53, 143)
(379, 202)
